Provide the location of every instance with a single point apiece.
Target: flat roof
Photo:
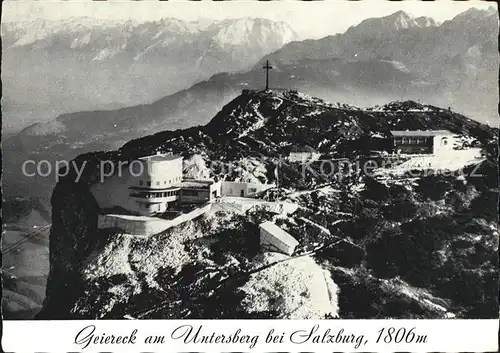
(195, 184)
(155, 189)
(161, 157)
(421, 132)
(279, 233)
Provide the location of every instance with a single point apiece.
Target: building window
(252, 190)
(141, 182)
(444, 141)
(149, 183)
(157, 183)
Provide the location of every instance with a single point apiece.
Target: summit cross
(267, 67)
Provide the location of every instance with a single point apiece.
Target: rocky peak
(424, 21)
(474, 18)
(256, 111)
(394, 22)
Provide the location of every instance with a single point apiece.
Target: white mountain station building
(435, 142)
(438, 144)
(148, 186)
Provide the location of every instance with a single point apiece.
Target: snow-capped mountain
(39, 30)
(77, 63)
(250, 31)
(399, 20)
(85, 32)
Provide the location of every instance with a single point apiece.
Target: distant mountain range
(84, 63)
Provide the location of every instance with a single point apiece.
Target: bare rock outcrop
(294, 288)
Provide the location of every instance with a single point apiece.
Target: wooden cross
(267, 67)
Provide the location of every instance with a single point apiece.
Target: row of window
(158, 183)
(150, 195)
(412, 140)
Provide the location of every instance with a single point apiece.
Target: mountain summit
(267, 122)
(397, 21)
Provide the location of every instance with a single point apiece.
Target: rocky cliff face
(207, 268)
(211, 267)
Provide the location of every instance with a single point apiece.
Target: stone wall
(146, 226)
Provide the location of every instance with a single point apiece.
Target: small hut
(273, 238)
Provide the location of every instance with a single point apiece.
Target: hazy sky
(308, 19)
